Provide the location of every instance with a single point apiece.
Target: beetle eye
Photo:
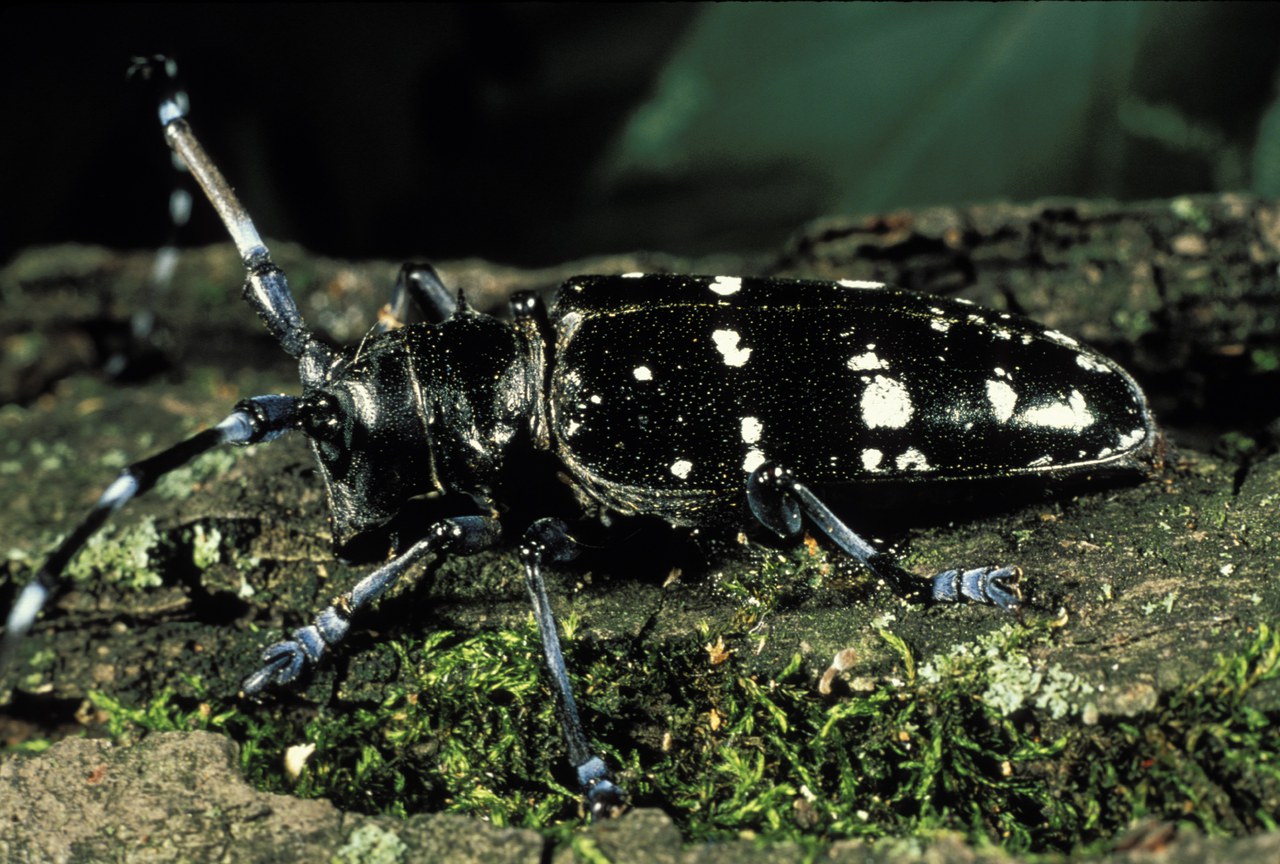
(319, 418)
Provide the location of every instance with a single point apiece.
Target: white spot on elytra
(632, 275)
(681, 468)
(753, 461)
(642, 373)
(1084, 361)
(1133, 439)
(912, 459)
(1002, 398)
(1061, 338)
(940, 324)
(887, 403)
(726, 285)
(1073, 414)
(574, 426)
(871, 459)
(594, 399)
(727, 344)
(859, 283)
(751, 429)
(1040, 461)
(864, 362)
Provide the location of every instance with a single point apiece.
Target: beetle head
(372, 447)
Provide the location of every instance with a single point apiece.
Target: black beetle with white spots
(709, 402)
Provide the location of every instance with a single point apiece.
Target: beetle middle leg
(778, 500)
(547, 540)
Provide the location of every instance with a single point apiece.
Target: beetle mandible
(709, 402)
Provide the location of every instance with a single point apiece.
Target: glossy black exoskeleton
(666, 392)
(709, 402)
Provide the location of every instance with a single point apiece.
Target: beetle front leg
(285, 661)
(548, 541)
(778, 499)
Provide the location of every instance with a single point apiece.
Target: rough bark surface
(1156, 581)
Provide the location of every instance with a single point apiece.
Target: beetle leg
(261, 418)
(421, 284)
(777, 499)
(284, 661)
(548, 541)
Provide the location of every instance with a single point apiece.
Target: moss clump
(126, 555)
(972, 743)
(206, 546)
(1012, 681)
(181, 482)
(370, 844)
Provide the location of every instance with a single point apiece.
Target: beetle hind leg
(778, 500)
(995, 585)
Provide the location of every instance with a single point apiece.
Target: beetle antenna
(266, 289)
(260, 419)
(139, 347)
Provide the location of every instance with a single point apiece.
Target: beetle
(709, 402)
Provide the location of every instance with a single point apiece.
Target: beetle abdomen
(678, 387)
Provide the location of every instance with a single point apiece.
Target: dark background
(531, 134)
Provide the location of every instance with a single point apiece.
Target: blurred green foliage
(774, 112)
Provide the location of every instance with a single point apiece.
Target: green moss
(1188, 210)
(1265, 359)
(181, 482)
(772, 578)
(125, 555)
(1133, 323)
(370, 844)
(206, 547)
(1206, 756)
(971, 743)
(1235, 447)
